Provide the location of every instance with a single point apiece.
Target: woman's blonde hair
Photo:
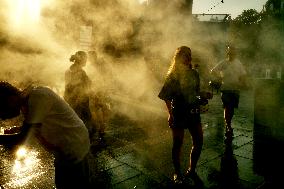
(182, 55)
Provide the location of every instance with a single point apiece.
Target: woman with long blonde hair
(180, 93)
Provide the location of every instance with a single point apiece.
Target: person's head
(182, 59)
(80, 58)
(231, 52)
(10, 100)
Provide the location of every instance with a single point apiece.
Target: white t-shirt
(60, 125)
(231, 72)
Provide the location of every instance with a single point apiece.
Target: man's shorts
(230, 98)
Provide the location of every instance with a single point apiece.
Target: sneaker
(177, 178)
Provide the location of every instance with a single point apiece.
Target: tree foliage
(273, 10)
(248, 17)
(275, 3)
(244, 32)
(259, 35)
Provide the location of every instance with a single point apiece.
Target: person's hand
(170, 120)
(206, 95)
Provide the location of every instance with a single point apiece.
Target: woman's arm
(169, 107)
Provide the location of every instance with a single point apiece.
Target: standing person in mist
(56, 126)
(99, 100)
(233, 76)
(180, 93)
(77, 89)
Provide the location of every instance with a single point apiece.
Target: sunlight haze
(233, 7)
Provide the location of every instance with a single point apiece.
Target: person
(101, 111)
(233, 76)
(56, 126)
(77, 89)
(180, 93)
(99, 99)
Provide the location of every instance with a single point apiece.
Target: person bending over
(57, 127)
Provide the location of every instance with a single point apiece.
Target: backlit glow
(25, 162)
(24, 12)
(26, 167)
(142, 1)
(21, 153)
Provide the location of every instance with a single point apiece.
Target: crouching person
(57, 127)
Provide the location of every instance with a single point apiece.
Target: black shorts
(230, 98)
(187, 120)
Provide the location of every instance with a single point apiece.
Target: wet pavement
(137, 154)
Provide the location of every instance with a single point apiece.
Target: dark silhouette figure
(180, 92)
